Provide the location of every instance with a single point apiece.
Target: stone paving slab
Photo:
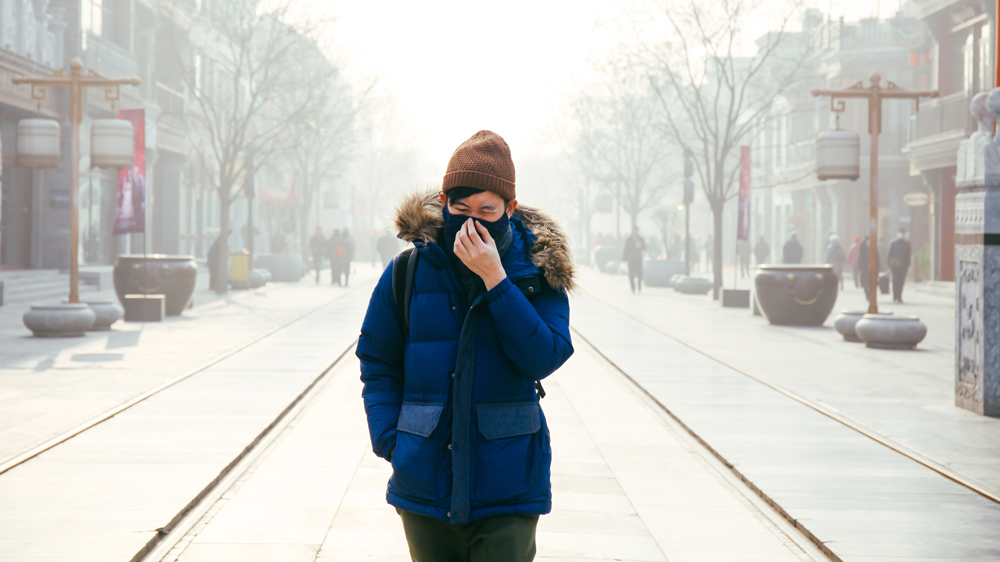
(907, 396)
(625, 487)
(48, 386)
(815, 468)
(135, 472)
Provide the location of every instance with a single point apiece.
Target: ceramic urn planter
(59, 320)
(796, 295)
(888, 331)
(173, 277)
(846, 321)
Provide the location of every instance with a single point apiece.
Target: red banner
(743, 223)
(130, 204)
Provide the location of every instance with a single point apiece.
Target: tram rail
(63, 437)
(949, 473)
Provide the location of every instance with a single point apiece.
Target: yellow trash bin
(240, 270)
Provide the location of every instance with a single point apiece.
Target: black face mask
(452, 223)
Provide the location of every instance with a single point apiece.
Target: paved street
(629, 481)
(907, 396)
(858, 497)
(49, 385)
(626, 486)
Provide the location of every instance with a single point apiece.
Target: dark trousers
(318, 265)
(502, 538)
(635, 274)
(898, 279)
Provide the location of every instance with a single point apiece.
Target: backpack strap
(404, 267)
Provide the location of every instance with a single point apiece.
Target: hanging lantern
(112, 143)
(838, 156)
(38, 143)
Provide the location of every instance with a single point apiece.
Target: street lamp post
(874, 94)
(76, 83)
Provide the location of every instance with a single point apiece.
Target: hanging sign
(130, 203)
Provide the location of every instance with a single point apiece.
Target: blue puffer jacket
(453, 407)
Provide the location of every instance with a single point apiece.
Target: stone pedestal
(145, 308)
(977, 264)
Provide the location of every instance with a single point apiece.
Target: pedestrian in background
(792, 252)
(852, 258)
(899, 264)
(743, 251)
(635, 245)
(317, 246)
(333, 248)
(387, 248)
(863, 265)
(462, 424)
(836, 256)
(345, 253)
(761, 251)
(218, 263)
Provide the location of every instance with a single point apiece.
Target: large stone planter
(845, 321)
(59, 320)
(796, 295)
(693, 286)
(888, 331)
(283, 267)
(106, 312)
(173, 277)
(657, 273)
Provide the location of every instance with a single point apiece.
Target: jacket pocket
(498, 421)
(419, 419)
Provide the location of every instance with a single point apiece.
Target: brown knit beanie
(482, 162)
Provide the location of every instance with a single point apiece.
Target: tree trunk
(717, 249)
(222, 260)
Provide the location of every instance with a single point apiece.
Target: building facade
(787, 196)
(959, 46)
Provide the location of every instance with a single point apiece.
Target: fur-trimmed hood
(419, 217)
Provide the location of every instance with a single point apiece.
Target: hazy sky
(460, 66)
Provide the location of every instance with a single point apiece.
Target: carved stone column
(41, 29)
(977, 264)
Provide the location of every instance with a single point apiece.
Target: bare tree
(250, 69)
(716, 88)
(619, 144)
(326, 142)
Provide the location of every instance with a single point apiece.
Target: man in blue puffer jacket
(453, 403)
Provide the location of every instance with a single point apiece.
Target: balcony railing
(950, 113)
(171, 101)
(108, 59)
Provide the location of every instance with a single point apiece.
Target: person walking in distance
(635, 245)
(852, 258)
(488, 316)
(836, 256)
(792, 252)
(387, 248)
(317, 246)
(348, 255)
(333, 247)
(743, 251)
(863, 266)
(899, 264)
(761, 251)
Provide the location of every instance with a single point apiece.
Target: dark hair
(456, 194)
